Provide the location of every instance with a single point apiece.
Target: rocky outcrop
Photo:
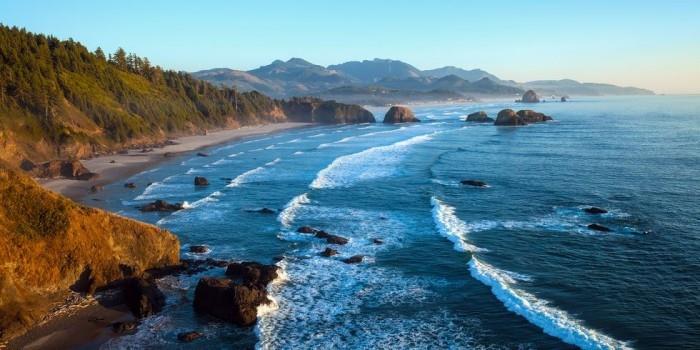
(595, 210)
(400, 114)
(508, 117)
(143, 297)
(479, 117)
(564, 98)
(475, 183)
(328, 252)
(314, 110)
(530, 97)
(199, 249)
(161, 205)
(529, 116)
(599, 227)
(330, 238)
(235, 300)
(201, 181)
(129, 185)
(355, 259)
(49, 244)
(69, 169)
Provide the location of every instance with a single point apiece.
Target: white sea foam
(286, 217)
(271, 163)
(298, 153)
(372, 163)
(270, 147)
(191, 171)
(235, 155)
(245, 177)
(317, 135)
(555, 322)
(383, 132)
(323, 145)
(451, 227)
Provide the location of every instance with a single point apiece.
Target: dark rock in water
(130, 185)
(96, 188)
(278, 258)
(321, 234)
(355, 259)
(126, 327)
(479, 117)
(228, 300)
(400, 114)
(263, 211)
(306, 229)
(508, 117)
(187, 337)
(332, 239)
(202, 154)
(598, 227)
(200, 181)
(198, 249)
(475, 183)
(595, 210)
(530, 97)
(252, 273)
(328, 252)
(564, 99)
(161, 205)
(377, 241)
(530, 116)
(143, 297)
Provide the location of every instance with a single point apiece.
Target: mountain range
(383, 81)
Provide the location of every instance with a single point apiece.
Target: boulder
(508, 117)
(598, 227)
(199, 249)
(200, 181)
(595, 210)
(479, 117)
(252, 273)
(530, 116)
(143, 297)
(332, 239)
(564, 98)
(530, 97)
(187, 337)
(306, 229)
(230, 301)
(126, 327)
(475, 183)
(328, 252)
(263, 211)
(400, 114)
(355, 259)
(130, 185)
(202, 154)
(161, 205)
(377, 241)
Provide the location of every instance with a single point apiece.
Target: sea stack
(400, 114)
(479, 117)
(508, 117)
(530, 97)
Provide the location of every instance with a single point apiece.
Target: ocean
(508, 266)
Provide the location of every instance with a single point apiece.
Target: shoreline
(116, 167)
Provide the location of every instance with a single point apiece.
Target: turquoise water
(508, 266)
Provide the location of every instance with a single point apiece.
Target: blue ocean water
(512, 265)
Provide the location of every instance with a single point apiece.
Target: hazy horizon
(626, 43)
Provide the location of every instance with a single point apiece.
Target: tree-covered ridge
(57, 98)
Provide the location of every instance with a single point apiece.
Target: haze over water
(512, 265)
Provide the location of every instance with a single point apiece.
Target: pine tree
(100, 54)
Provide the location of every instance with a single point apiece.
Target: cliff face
(49, 244)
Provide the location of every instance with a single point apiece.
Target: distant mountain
(573, 87)
(381, 96)
(240, 79)
(470, 75)
(369, 72)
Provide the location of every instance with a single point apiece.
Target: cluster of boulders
(69, 169)
(337, 240)
(596, 226)
(400, 114)
(509, 117)
(161, 205)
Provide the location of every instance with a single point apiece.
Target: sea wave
(243, 178)
(553, 321)
(451, 227)
(372, 163)
(286, 217)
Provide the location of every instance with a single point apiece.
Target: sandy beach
(120, 166)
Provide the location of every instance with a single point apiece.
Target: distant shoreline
(117, 167)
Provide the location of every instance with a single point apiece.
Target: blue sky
(652, 44)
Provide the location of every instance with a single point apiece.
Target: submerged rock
(130, 185)
(202, 154)
(400, 114)
(479, 117)
(598, 227)
(332, 239)
(595, 210)
(201, 181)
(199, 249)
(161, 205)
(263, 211)
(328, 252)
(306, 229)
(355, 259)
(508, 117)
(187, 337)
(143, 297)
(377, 241)
(475, 183)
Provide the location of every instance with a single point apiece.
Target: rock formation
(475, 183)
(479, 117)
(143, 297)
(508, 117)
(595, 210)
(161, 205)
(400, 114)
(530, 97)
(309, 109)
(69, 169)
(49, 244)
(201, 181)
(599, 227)
(530, 116)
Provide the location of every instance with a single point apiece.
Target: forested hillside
(58, 99)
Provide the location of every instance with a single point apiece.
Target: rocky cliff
(50, 245)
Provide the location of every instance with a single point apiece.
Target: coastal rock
(332, 239)
(96, 188)
(508, 117)
(599, 227)
(252, 273)
(200, 181)
(143, 297)
(306, 229)
(595, 210)
(530, 116)
(328, 252)
(187, 337)
(130, 185)
(564, 98)
(69, 169)
(126, 327)
(202, 154)
(314, 110)
(355, 259)
(475, 183)
(479, 117)
(230, 301)
(377, 241)
(161, 205)
(263, 211)
(199, 249)
(530, 97)
(400, 114)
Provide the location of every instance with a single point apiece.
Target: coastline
(116, 167)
